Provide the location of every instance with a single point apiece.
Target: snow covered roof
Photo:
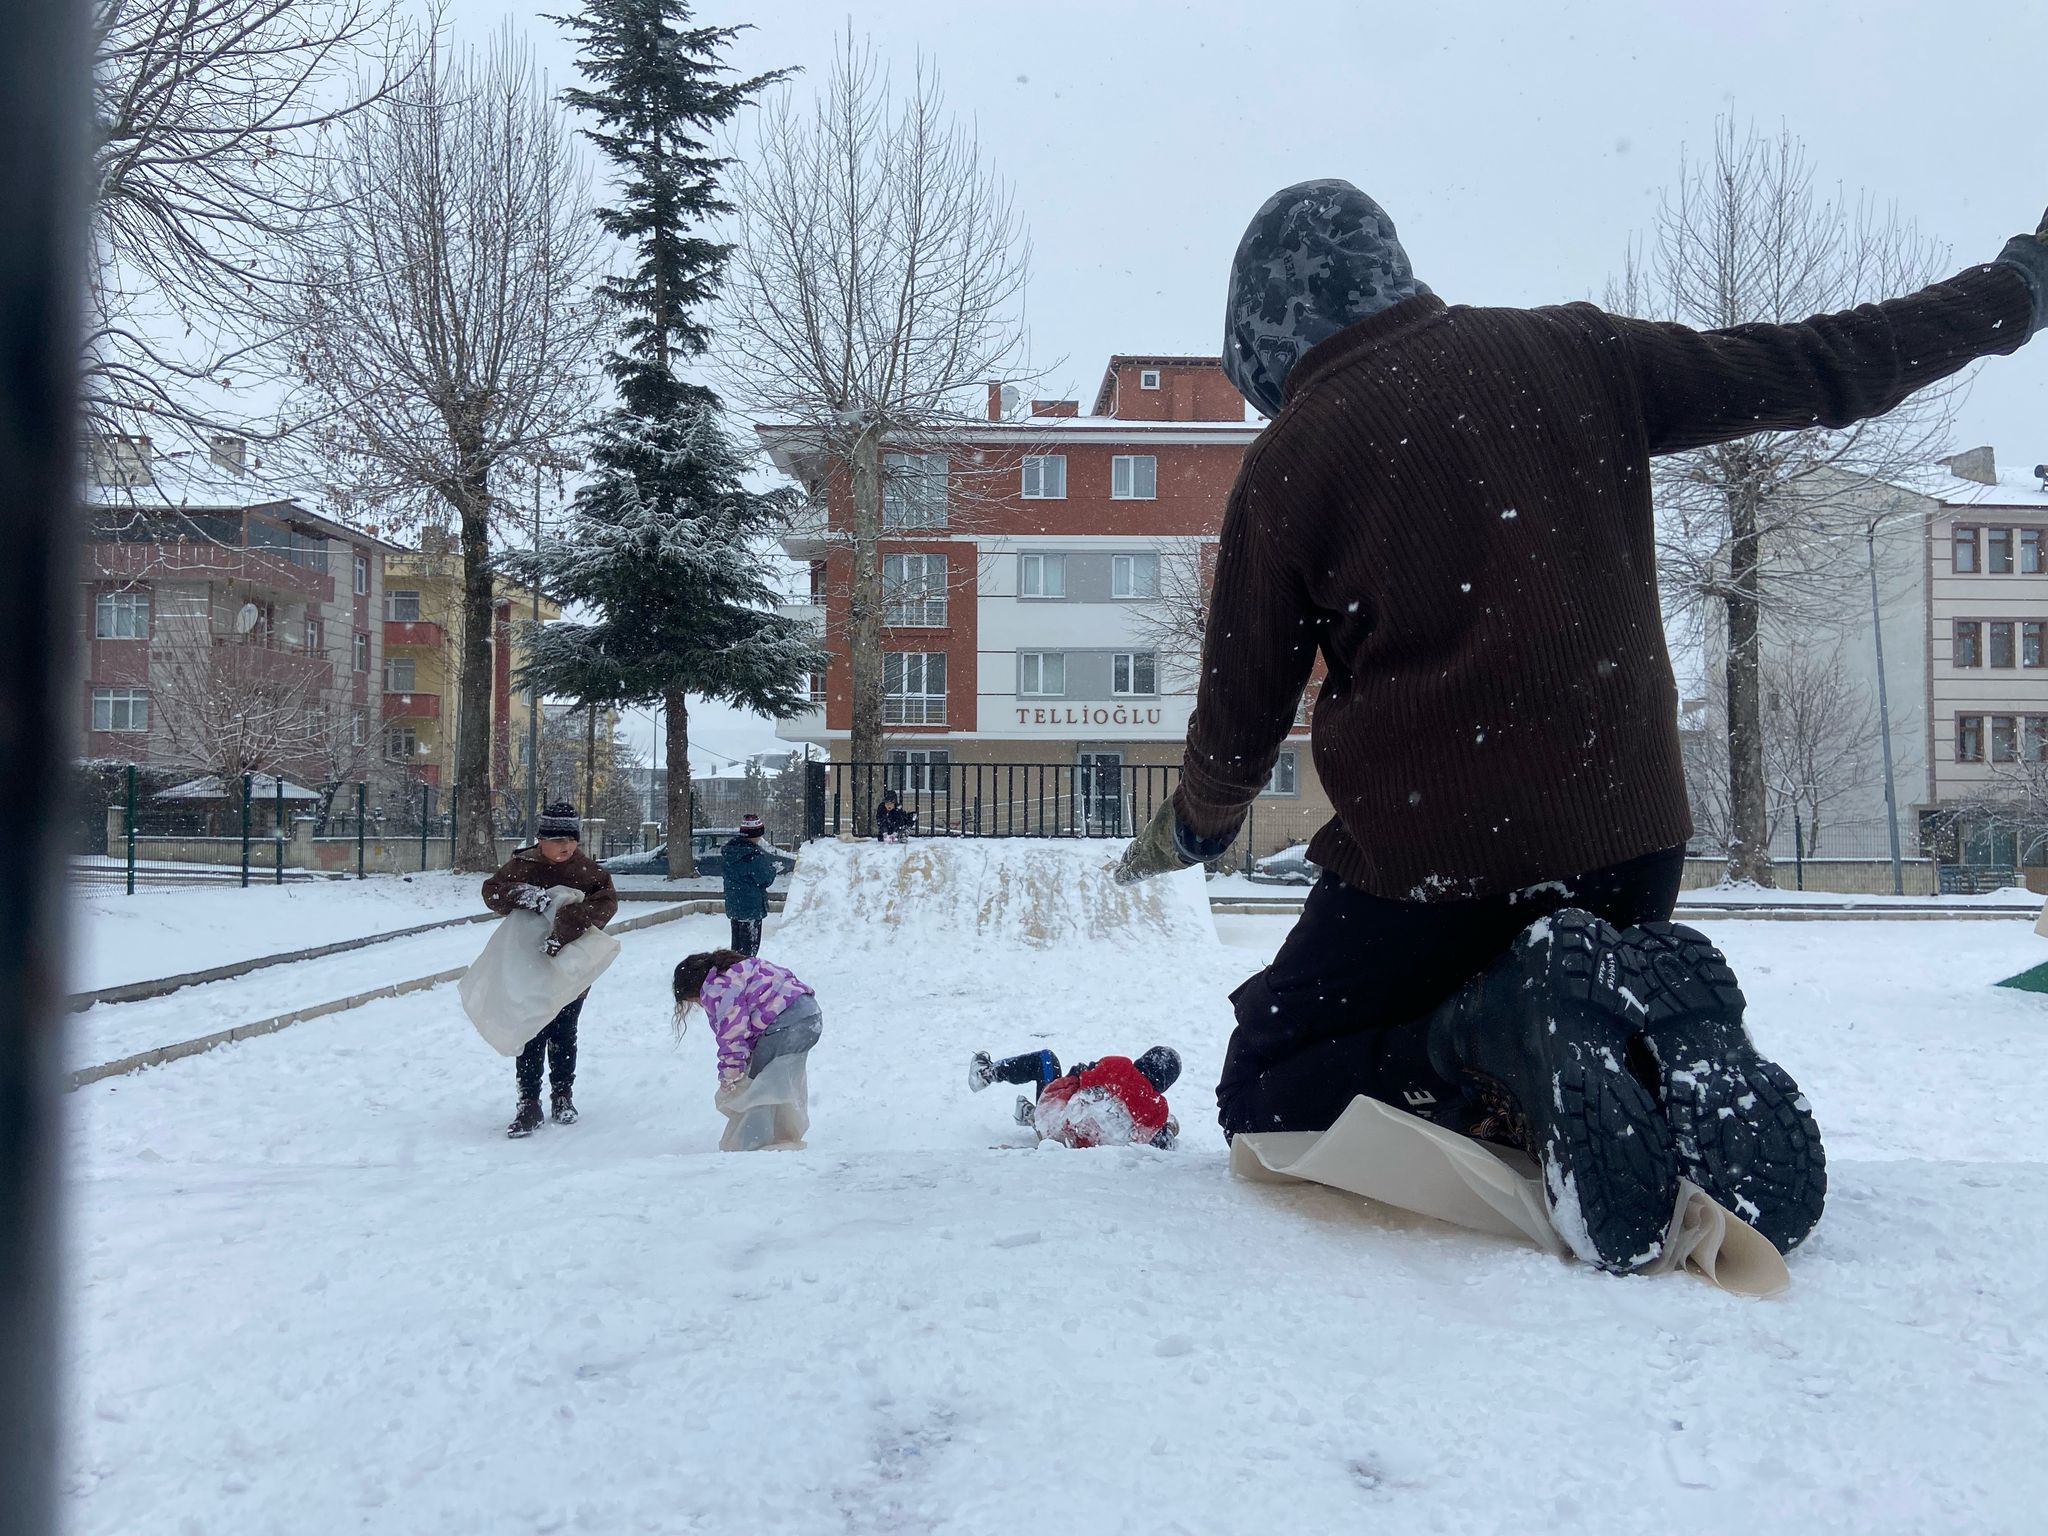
(191, 479)
(2013, 489)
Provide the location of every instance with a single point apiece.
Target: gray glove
(1165, 846)
(2029, 253)
(532, 898)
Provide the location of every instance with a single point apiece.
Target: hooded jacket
(748, 870)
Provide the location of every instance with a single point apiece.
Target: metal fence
(1105, 800)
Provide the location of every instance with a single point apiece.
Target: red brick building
(1040, 575)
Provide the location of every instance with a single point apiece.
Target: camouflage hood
(1319, 256)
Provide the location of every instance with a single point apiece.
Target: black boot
(561, 1109)
(1545, 1033)
(1743, 1131)
(525, 1120)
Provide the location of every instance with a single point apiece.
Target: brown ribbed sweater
(1454, 506)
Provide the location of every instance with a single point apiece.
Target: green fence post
(424, 792)
(131, 829)
(362, 795)
(277, 831)
(248, 789)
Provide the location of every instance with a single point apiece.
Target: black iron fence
(1084, 799)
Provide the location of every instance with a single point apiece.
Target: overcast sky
(1517, 146)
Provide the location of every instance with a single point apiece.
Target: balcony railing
(130, 562)
(412, 706)
(914, 709)
(414, 632)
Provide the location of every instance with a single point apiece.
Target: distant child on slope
(1113, 1102)
(765, 1022)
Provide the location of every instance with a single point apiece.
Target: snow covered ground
(317, 1291)
(169, 930)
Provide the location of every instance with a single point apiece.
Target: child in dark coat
(749, 870)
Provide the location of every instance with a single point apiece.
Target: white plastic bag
(767, 1112)
(514, 987)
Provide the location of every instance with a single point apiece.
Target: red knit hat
(752, 826)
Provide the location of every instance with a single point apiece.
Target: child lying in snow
(1113, 1102)
(765, 1022)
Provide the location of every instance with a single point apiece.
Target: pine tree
(663, 547)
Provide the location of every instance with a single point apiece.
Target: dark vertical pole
(454, 811)
(131, 829)
(590, 765)
(1798, 851)
(278, 830)
(44, 111)
(362, 800)
(248, 794)
(423, 827)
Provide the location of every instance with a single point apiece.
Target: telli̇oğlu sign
(1057, 716)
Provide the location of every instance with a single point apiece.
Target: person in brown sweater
(529, 880)
(1452, 506)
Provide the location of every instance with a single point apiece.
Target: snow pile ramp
(1028, 892)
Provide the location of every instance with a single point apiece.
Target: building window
(1042, 674)
(1134, 477)
(1148, 378)
(1133, 575)
(2033, 653)
(914, 688)
(400, 674)
(2030, 551)
(401, 607)
(316, 636)
(362, 575)
(1133, 674)
(1998, 551)
(918, 771)
(814, 685)
(914, 591)
(120, 709)
(362, 652)
(1969, 646)
(913, 490)
(1285, 779)
(401, 743)
(1965, 551)
(2001, 643)
(1045, 477)
(1041, 575)
(1969, 738)
(355, 730)
(2034, 741)
(121, 616)
(2005, 739)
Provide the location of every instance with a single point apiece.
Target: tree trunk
(682, 862)
(476, 848)
(864, 614)
(1749, 848)
(590, 762)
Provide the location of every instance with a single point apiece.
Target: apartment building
(422, 632)
(209, 605)
(1040, 572)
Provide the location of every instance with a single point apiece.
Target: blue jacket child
(749, 870)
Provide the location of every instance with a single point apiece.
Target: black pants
(557, 1043)
(1035, 1067)
(746, 935)
(1343, 1008)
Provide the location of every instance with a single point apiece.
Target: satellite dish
(246, 619)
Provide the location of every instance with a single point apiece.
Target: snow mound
(1029, 893)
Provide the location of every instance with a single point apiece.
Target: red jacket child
(1106, 1103)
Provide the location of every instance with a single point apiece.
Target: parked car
(706, 844)
(1290, 866)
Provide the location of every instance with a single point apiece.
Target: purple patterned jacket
(741, 1002)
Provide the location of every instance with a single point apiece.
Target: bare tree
(1819, 730)
(233, 704)
(1762, 527)
(876, 288)
(214, 139)
(448, 327)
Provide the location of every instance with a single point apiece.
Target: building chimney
(1976, 464)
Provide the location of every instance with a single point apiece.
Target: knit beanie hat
(752, 826)
(559, 820)
(1160, 1067)
(1319, 256)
